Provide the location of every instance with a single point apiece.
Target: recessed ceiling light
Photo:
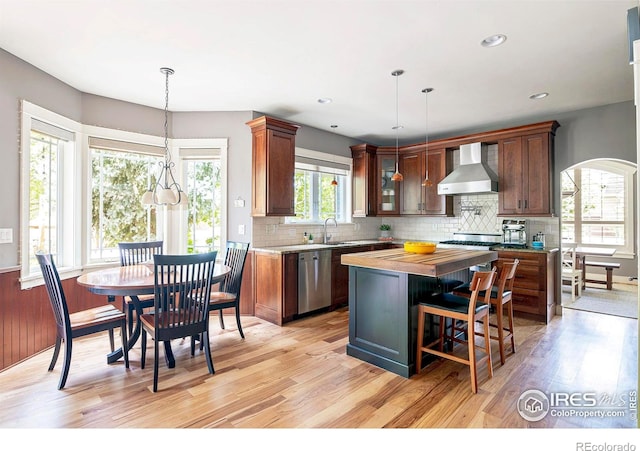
(493, 40)
(540, 95)
(325, 100)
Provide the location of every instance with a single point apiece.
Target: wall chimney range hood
(473, 176)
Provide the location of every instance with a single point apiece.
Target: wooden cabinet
(340, 272)
(275, 286)
(534, 287)
(387, 191)
(273, 167)
(416, 199)
(525, 168)
(362, 180)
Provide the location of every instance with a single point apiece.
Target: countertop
(295, 248)
(439, 263)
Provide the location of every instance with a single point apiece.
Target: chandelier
(397, 177)
(426, 182)
(165, 191)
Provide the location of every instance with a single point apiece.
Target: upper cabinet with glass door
(387, 191)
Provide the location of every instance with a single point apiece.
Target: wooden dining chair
(134, 253)
(182, 289)
(571, 272)
(501, 299)
(229, 294)
(457, 308)
(77, 324)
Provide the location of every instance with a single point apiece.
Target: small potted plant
(385, 231)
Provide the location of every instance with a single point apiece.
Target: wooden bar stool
(501, 298)
(447, 305)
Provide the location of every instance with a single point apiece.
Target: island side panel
(379, 319)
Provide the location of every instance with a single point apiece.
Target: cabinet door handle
(525, 204)
(518, 204)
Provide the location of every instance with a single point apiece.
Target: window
(597, 206)
(321, 187)
(204, 167)
(120, 174)
(81, 190)
(49, 190)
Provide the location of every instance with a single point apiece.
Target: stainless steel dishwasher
(314, 280)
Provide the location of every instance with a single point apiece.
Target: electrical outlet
(241, 229)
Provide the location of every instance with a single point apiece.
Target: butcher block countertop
(441, 262)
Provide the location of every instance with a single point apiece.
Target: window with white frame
(121, 172)
(49, 188)
(204, 169)
(597, 206)
(321, 187)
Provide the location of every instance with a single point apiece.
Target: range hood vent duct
(473, 176)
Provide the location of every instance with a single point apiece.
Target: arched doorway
(599, 210)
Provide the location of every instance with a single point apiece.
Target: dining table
(133, 281)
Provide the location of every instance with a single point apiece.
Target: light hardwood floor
(299, 376)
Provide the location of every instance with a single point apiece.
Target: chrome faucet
(328, 237)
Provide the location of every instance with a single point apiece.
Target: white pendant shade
(184, 201)
(147, 198)
(167, 196)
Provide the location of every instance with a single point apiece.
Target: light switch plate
(6, 236)
(241, 229)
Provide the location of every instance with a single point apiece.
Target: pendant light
(166, 190)
(426, 182)
(397, 177)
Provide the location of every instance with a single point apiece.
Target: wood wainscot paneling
(27, 326)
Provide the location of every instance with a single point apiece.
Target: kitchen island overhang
(385, 288)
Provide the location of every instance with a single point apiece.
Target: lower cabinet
(275, 286)
(534, 288)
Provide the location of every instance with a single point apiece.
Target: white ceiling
(279, 57)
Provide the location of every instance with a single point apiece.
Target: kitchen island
(384, 289)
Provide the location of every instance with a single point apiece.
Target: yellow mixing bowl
(420, 247)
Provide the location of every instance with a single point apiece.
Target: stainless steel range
(472, 241)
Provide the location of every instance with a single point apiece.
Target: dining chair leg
(207, 348)
(487, 345)
(420, 339)
(442, 331)
(143, 347)
(238, 321)
(511, 330)
(66, 364)
(56, 352)
(473, 373)
(125, 343)
(221, 319)
(156, 354)
(499, 315)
